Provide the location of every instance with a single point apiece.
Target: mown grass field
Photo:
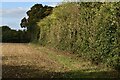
(32, 61)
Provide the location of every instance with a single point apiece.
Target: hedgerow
(91, 30)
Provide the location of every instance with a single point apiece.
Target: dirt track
(32, 61)
(23, 60)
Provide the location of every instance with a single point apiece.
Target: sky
(11, 13)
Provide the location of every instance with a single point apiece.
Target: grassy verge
(75, 67)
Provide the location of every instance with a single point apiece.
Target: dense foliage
(36, 13)
(10, 35)
(91, 30)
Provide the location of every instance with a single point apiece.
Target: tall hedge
(91, 30)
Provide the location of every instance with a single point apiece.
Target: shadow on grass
(24, 71)
(30, 71)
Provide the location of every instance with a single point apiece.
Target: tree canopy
(10, 35)
(36, 13)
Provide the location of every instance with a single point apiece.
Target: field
(21, 60)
